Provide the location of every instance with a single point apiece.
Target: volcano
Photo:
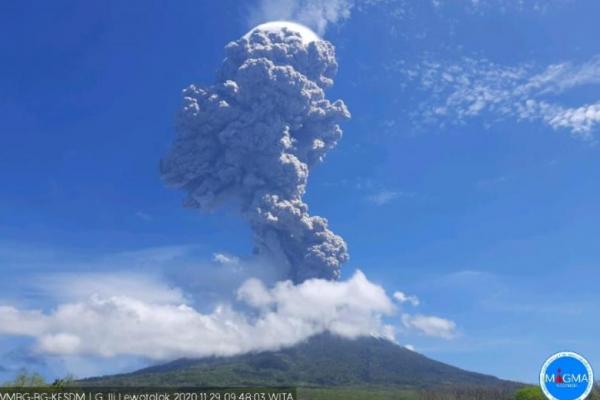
(322, 361)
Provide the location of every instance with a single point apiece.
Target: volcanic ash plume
(251, 139)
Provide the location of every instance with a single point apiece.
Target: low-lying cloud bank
(262, 319)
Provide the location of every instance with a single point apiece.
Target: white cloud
(143, 287)
(316, 14)
(580, 120)
(409, 347)
(207, 311)
(15, 322)
(404, 298)
(282, 315)
(185, 267)
(225, 259)
(472, 88)
(430, 325)
(255, 294)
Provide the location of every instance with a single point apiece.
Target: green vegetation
(26, 379)
(451, 392)
(357, 394)
(323, 361)
(448, 393)
(595, 395)
(323, 368)
(535, 393)
(530, 393)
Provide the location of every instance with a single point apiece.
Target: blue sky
(467, 175)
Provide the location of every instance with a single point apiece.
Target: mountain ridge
(324, 360)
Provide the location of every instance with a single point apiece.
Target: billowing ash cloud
(251, 139)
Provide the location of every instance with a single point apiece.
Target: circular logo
(566, 376)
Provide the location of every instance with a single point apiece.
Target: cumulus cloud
(402, 298)
(279, 316)
(251, 139)
(430, 325)
(472, 88)
(219, 311)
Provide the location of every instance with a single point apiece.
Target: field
(525, 393)
(357, 394)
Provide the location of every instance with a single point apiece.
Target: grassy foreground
(356, 394)
(449, 393)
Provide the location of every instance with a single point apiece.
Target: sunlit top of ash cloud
(250, 140)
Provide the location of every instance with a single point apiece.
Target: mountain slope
(323, 360)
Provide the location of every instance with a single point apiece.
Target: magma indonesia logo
(566, 376)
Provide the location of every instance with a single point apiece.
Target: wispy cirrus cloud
(75, 286)
(385, 196)
(502, 6)
(457, 92)
(373, 191)
(320, 14)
